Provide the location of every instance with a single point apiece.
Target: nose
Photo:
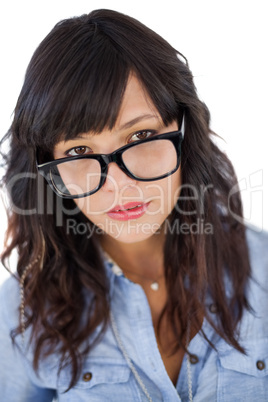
(116, 179)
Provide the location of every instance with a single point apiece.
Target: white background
(225, 43)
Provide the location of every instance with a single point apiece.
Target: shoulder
(10, 302)
(254, 324)
(258, 253)
(257, 241)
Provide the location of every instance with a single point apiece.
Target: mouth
(131, 210)
(124, 208)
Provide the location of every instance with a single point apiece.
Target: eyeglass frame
(176, 137)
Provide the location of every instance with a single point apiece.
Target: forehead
(116, 112)
(136, 108)
(136, 104)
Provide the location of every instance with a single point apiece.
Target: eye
(76, 151)
(141, 135)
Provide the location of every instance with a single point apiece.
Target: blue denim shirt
(223, 374)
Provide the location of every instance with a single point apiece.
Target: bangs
(75, 83)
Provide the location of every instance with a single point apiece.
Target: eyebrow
(128, 124)
(137, 119)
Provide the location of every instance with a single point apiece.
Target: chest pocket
(243, 377)
(98, 374)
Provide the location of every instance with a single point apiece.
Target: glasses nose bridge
(113, 157)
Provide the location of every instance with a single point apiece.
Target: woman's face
(125, 209)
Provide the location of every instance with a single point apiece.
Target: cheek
(90, 205)
(176, 184)
(170, 191)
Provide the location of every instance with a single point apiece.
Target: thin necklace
(154, 285)
(134, 371)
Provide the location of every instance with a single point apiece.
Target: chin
(132, 231)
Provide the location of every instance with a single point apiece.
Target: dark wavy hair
(74, 83)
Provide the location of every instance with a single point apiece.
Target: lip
(131, 210)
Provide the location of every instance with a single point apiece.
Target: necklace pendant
(154, 286)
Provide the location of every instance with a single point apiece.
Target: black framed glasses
(146, 160)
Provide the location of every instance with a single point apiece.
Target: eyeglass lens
(148, 160)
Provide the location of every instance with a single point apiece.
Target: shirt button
(260, 365)
(87, 377)
(213, 308)
(193, 359)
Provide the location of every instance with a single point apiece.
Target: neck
(143, 258)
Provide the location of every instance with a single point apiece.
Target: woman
(135, 280)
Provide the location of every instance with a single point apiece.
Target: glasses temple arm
(182, 128)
